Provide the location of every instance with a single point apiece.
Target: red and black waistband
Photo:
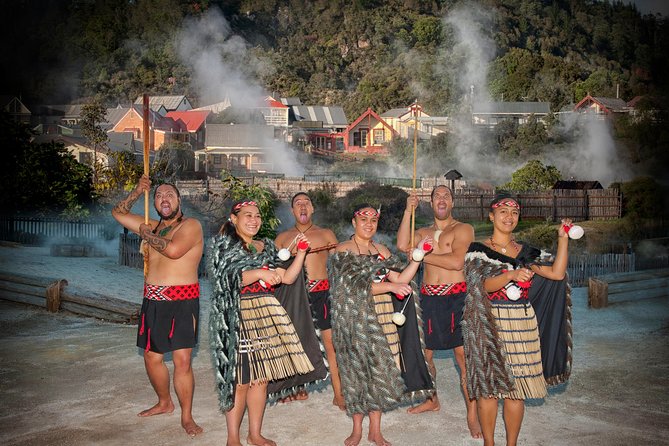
(314, 286)
(444, 289)
(171, 292)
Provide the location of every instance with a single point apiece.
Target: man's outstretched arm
(121, 212)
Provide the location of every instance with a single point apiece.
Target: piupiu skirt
(269, 348)
(518, 331)
(383, 305)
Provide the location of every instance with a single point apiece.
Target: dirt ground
(67, 380)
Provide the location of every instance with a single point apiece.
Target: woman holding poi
(511, 352)
(253, 340)
(381, 365)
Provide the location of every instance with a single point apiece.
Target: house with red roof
(195, 123)
(604, 106)
(369, 134)
(162, 130)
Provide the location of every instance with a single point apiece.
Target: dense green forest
(358, 54)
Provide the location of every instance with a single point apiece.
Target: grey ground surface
(67, 380)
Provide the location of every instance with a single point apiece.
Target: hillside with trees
(358, 54)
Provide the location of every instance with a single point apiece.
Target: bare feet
(299, 396)
(474, 426)
(378, 439)
(191, 428)
(259, 441)
(158, 409)
(430, 405)
(338, 401)
(353, 439)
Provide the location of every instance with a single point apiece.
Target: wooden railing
(33, 230)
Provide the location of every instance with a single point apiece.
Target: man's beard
(172, 215)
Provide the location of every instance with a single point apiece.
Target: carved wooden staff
(415, 108)
(145, 133)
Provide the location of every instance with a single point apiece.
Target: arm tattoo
(125, 206)
(155, 241)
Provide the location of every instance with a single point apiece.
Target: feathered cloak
(370, 377)
(228, 261)
(487, 371)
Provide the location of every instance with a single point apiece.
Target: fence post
(554, 210)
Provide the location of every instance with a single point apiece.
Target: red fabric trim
(444, 289)
(315, 286)
(171, 292)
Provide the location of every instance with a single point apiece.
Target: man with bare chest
(323, 241)
(170, 308)
(443, 288)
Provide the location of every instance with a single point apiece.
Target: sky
(652, 6)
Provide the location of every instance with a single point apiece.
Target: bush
(644, 198)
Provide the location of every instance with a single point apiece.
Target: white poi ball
(513, 292)
(399, 319)
(576, 232)
(418, 254)
(284, 254)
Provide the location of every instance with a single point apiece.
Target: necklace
(502, 249)
(369, 251)
(163, 232)
(305, 231)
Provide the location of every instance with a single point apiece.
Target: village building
(489, 114)
(236, 147)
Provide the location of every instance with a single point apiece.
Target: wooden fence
(581, 267)
(551, 205)
(33, 230)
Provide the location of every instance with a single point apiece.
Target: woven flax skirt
(517, 327)
(267, 337)
(383, 305)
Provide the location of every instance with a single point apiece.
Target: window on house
(360, 138)
(379, 136)
(86, 158)
(217, 159)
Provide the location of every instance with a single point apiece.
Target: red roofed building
(195, 123)
(601, 105)
(162, 130)
(274, 112)
(368, 134)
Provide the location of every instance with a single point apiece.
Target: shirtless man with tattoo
(170, 308)
(443, 291)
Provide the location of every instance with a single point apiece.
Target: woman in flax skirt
(509, 354)
(381, 365)
(253, 340)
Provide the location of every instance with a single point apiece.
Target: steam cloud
(223, 69)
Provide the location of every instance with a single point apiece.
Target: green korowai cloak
(227, 261)
(370, 378)
(487, 371)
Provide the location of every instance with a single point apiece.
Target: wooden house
(194, 121)
(236, 147)
(15, 109)
(489, 114)
(165, 104)
(162, 130)
(369, 134)
(602, 106)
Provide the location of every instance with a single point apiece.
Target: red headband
(362, 211)
(238, 206)
(506, 202)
